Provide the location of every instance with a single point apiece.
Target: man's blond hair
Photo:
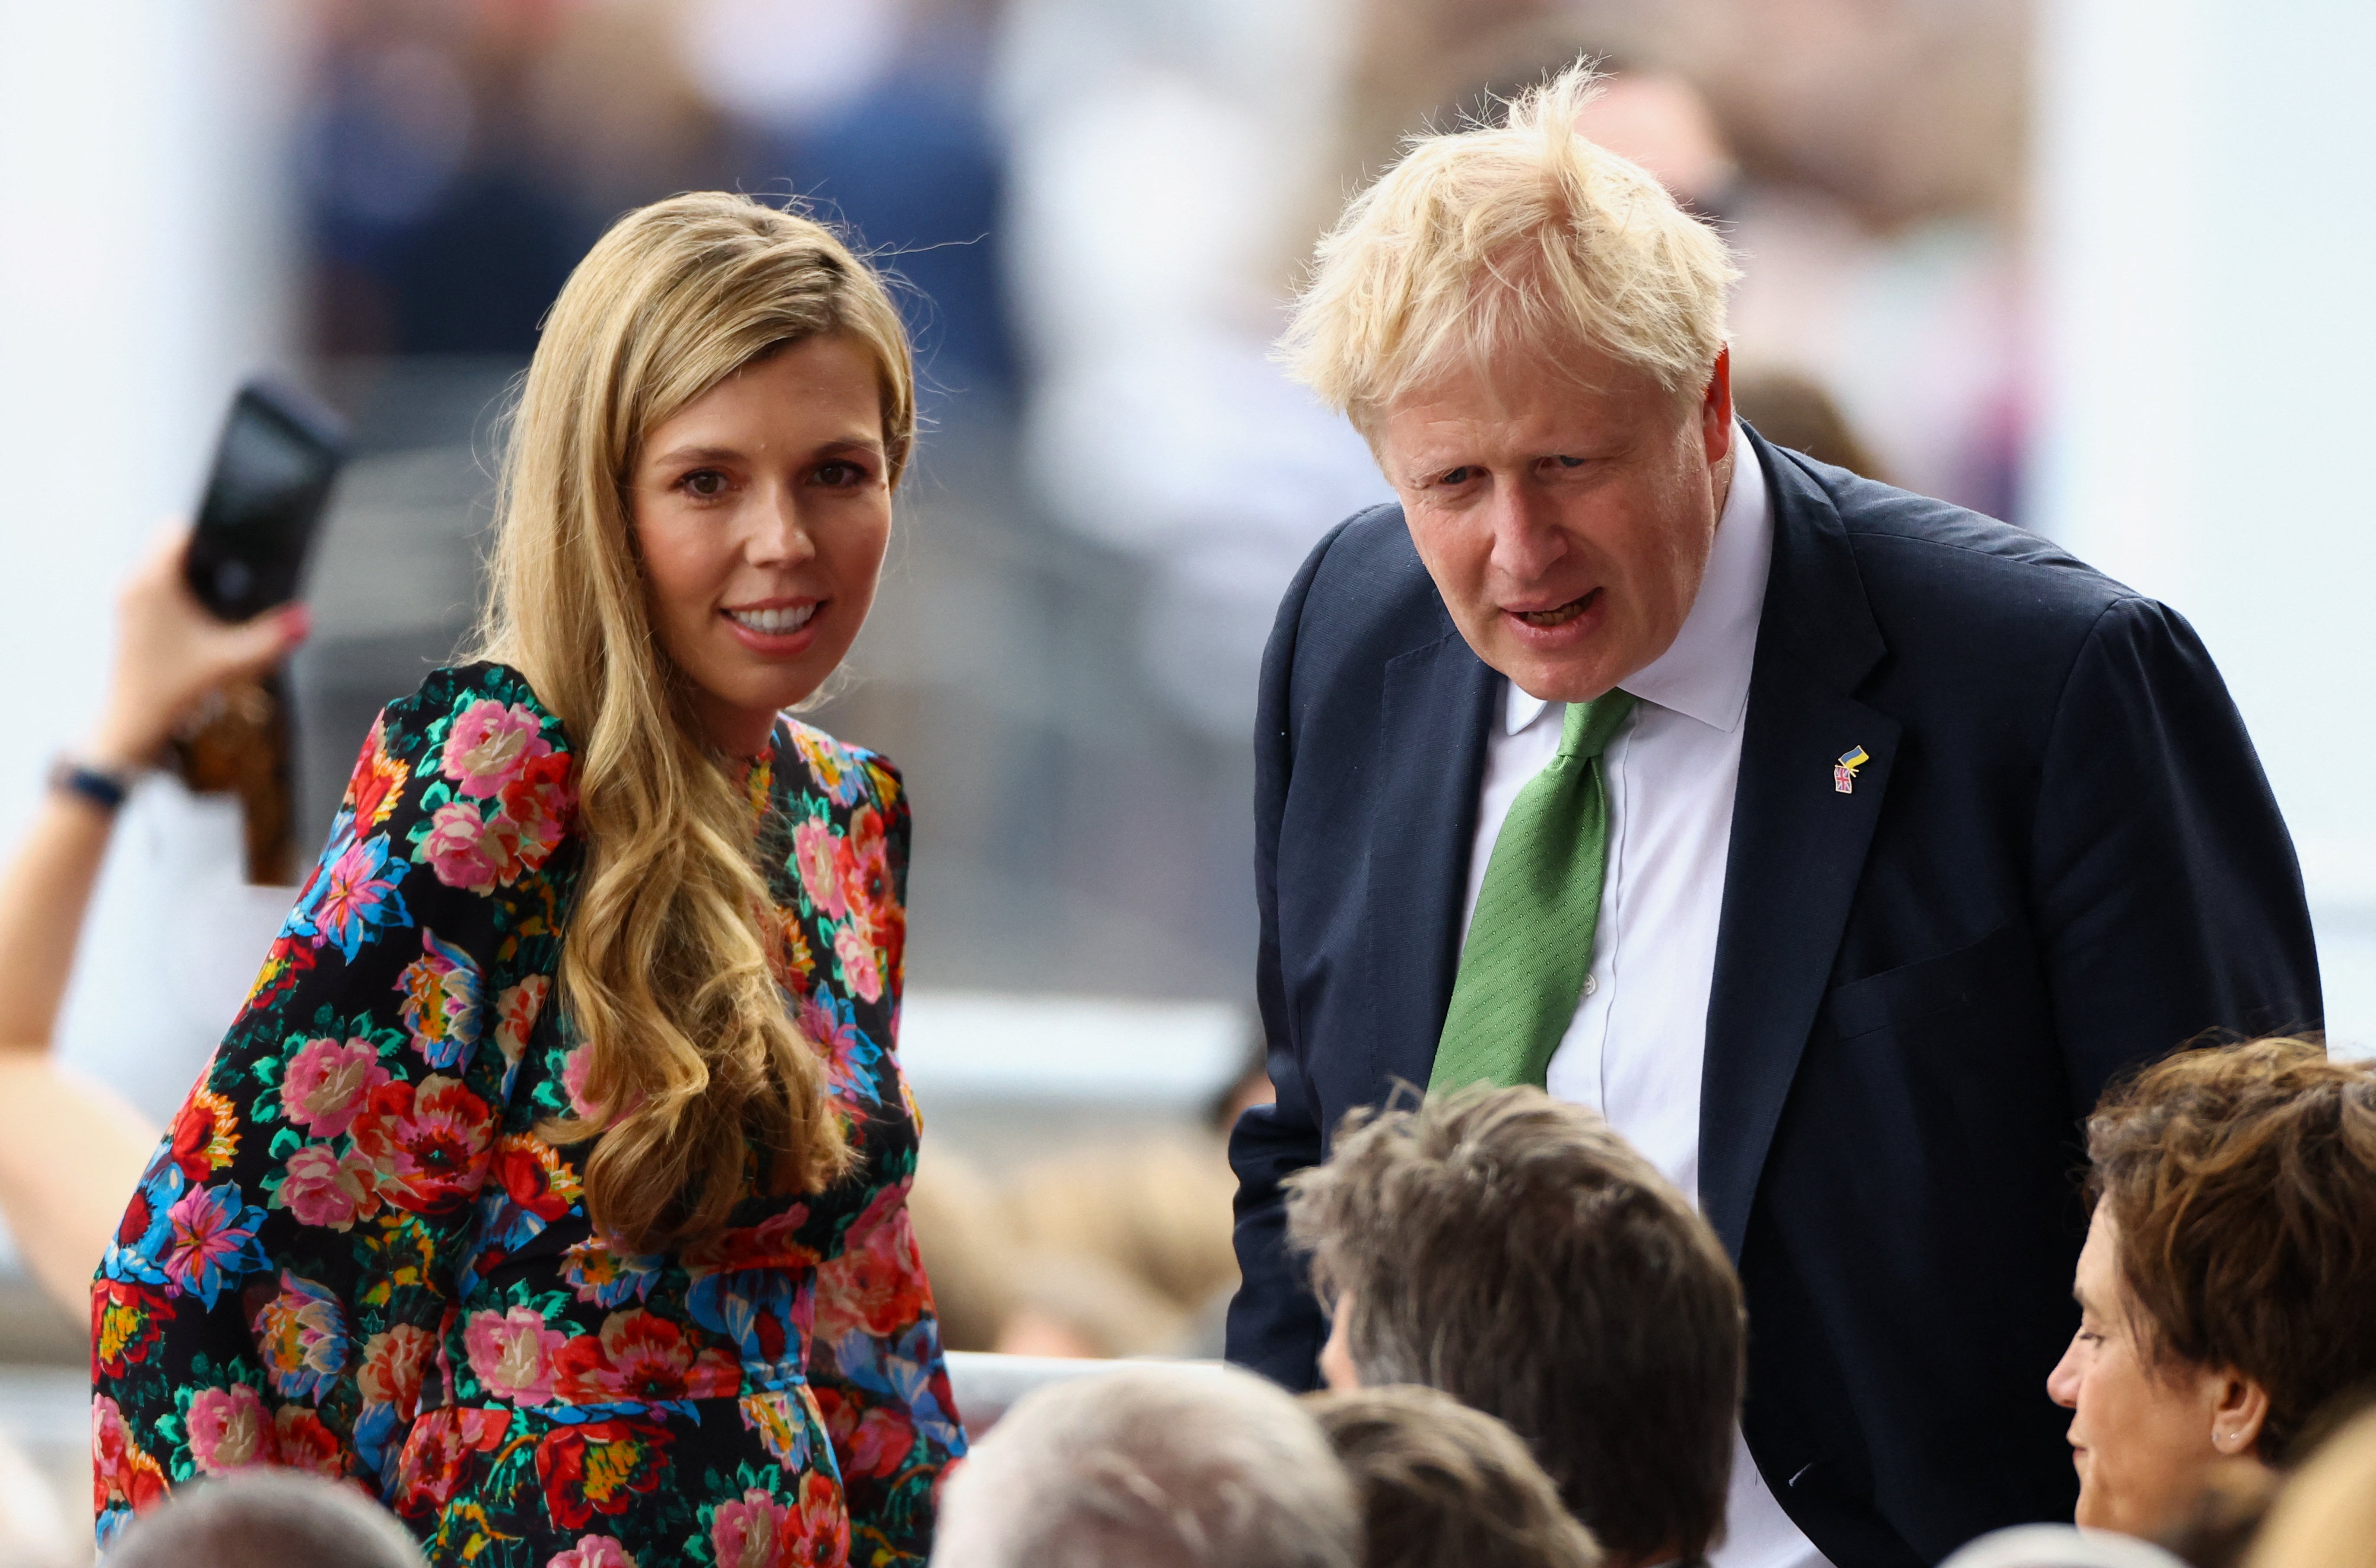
(1517, 240)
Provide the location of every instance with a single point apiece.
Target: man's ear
(2240, 1409)
(1715, 408)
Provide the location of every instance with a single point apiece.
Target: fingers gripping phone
(273, 467)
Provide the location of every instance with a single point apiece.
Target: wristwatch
(105, 788)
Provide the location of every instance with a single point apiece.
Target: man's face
(1566, 513)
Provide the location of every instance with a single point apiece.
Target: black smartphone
(279, 453)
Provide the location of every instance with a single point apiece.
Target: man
(1456, 1242)
(1836, 844)
(1151, 1468)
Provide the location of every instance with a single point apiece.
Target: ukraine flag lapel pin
(1843, 771)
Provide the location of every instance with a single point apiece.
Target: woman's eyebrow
(696, 455)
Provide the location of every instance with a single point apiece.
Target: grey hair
(266, 1518)
(1152, 1466)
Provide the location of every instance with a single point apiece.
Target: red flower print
(377, 782)
(769, 1244)
(441, 1454)
(863, 862)
(304, 1443)
(823, 1540)
(534, 1175)
(539, 803)
(206, 1134)
(127, 1321)
(120, 1472)
(878, 1286)
(427, 1143)
(598, 1468)
(643, 1358)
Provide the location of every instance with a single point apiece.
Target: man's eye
(1461, 475)
(706, 483)
(1568, 462)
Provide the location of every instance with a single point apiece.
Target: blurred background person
(1512, 1251)
(71, 1146)
(267, 1519)
(2225, 1286)
(1152, 1468)
(2326, 1515)
(1445, 1486)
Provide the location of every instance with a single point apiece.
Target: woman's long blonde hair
(696, 1067)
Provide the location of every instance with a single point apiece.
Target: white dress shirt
(1633, 1053)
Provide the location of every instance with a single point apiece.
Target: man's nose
(1526, 540)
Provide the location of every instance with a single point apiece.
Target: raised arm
(278, 1288)
(68, 1148)
(2170, 899)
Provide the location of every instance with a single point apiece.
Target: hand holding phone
(278, 456)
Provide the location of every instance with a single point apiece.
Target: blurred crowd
(1101, 207)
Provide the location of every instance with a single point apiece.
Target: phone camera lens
(233, 580)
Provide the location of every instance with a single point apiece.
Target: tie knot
(1588, 725)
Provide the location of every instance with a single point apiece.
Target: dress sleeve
(874, 1359)
(276, 1291)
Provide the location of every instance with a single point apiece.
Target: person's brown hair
(2240, 1182)
(1444, 1486)
(1517, 1254)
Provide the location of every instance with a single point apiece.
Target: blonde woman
(552, 1183)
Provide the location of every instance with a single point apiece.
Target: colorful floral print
(354, 1253)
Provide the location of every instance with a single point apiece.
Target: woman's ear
(2239, 1409)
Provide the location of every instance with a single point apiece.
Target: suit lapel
(1799, 844)
(1433, 710)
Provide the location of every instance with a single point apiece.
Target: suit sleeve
(1275, 1326)
(2170, 902)
(278, 1284)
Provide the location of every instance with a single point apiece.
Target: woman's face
(762, 510)
(2147, 1439)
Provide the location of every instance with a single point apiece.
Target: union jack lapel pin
(1843, 771)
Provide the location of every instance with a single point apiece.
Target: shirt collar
(1703, 674)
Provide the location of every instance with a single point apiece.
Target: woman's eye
(841, 475)
(706, 483)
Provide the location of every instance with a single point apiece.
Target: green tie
(1530, 943)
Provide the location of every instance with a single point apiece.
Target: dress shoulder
(847, 776)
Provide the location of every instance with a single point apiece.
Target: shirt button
(1591, 984)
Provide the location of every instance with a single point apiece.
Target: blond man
(1836, 844)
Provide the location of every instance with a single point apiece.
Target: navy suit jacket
(2062, 860)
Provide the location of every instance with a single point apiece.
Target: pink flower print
(574, 1068)
(300, 1333)
(320, 1188)
(352, 897)
(327, 1082)
(489, 744)
(752, 1533)
(512, 1352)
(441, 1002)
(813, 854)
(228, 1428)
(851, 945)
(592, 1551)
(468, 851)
(213, 1241)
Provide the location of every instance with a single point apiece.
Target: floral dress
(355, 1254)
